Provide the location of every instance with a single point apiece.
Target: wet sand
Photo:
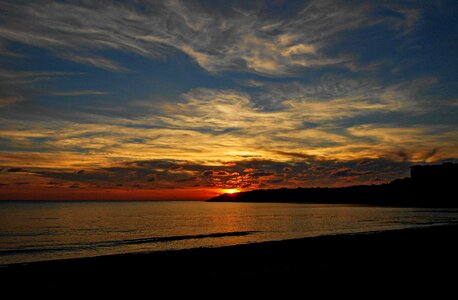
(422, 255)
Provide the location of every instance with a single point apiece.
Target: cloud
(234, 38)
(414, 144)
(5, 52)
(331, 97)
(7, 100)
(405, 18)
(16, 170)
(262, 174)
(78, 93)
(26, 77)
(207, 173)
(17, 86)
(283, 122)
(93, 60)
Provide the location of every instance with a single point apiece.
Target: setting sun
(231, 191)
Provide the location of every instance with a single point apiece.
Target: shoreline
(419, 252)
(76, 260)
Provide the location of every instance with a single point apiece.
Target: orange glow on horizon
(63, 193)
(231, 191)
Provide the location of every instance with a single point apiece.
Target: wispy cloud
(7, 100)
(93, 60)
(415, 144)
(5, 52)
(234, 38)
(78, 93)
(214, 125)
(16, 86)
(22, 77)
(331, 96)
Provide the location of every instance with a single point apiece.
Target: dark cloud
(16, 170)
(342, 172)
(295, 155)
(207, 173)
(431, 154)
(365, 162)
(190, 179)
(347, 172)
(262, 174)
(249, 174)
(275, 181)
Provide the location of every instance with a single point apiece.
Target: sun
(230, 191)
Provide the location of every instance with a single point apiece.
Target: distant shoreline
(397, 194)
(427, 186)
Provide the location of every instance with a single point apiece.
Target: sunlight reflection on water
(53, 230)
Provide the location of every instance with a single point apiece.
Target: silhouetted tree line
(428, 186)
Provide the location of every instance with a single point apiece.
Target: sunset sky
(185, 99)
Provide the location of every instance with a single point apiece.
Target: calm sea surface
(55, 230)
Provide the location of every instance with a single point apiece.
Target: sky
(168, 100)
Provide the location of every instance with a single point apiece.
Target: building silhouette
(444, 174)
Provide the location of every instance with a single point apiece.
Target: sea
(39, 231)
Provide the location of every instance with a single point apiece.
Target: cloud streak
(213, 126)
(16, 86)
(237, 38)
(78, 93)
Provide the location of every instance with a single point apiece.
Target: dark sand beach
(421, 255)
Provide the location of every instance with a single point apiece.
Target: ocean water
(36, 231)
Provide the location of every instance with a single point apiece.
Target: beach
(427, 254)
